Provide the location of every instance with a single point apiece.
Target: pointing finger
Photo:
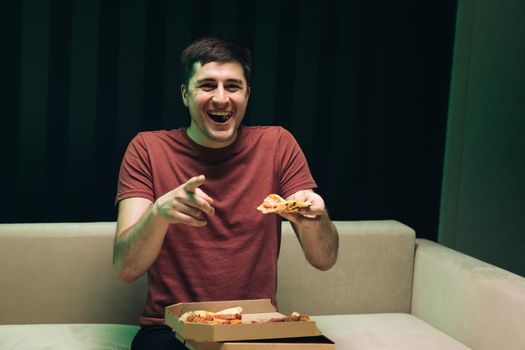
(192, 184)
(198, 198)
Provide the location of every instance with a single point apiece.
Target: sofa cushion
(373, 272)
(67, 336)
(384, 332)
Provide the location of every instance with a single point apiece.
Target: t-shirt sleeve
(135, 179)
(294, 171)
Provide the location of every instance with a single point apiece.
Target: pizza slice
(293, 317)
(274, 203)
(227, 316)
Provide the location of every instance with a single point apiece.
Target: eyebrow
(205, 80)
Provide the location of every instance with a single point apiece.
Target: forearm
(320, 241)
(137, 247)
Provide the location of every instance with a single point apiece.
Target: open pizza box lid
(256, 310)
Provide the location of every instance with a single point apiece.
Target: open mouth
(220, 117)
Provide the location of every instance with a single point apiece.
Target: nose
(220, 96)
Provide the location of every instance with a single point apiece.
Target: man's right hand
(185, 204)
(142, 225)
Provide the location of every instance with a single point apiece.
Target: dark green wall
(483, 205)
(362, 85)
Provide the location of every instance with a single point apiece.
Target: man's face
(217, 96)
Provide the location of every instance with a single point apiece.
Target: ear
(184, 94)
(248, 91)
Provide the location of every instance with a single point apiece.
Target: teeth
(220, 116)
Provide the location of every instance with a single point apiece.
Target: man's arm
(142, 225)
(316, 232)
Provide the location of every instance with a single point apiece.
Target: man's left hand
(308, 215)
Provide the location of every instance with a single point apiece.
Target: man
(187, 198)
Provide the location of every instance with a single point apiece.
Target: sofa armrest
(373, 272)
(479, 304)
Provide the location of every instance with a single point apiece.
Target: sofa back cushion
(479, 304)
(373, 273)
(62, 273)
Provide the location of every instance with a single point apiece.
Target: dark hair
(213, 49)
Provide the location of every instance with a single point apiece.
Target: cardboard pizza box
(260, 309)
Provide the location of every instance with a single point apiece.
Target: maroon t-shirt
(235, 255)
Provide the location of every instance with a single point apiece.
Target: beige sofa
(388, 290)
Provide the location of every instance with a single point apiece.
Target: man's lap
(156, 337)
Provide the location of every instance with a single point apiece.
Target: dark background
(363, 85)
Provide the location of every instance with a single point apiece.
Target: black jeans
(156, 337)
